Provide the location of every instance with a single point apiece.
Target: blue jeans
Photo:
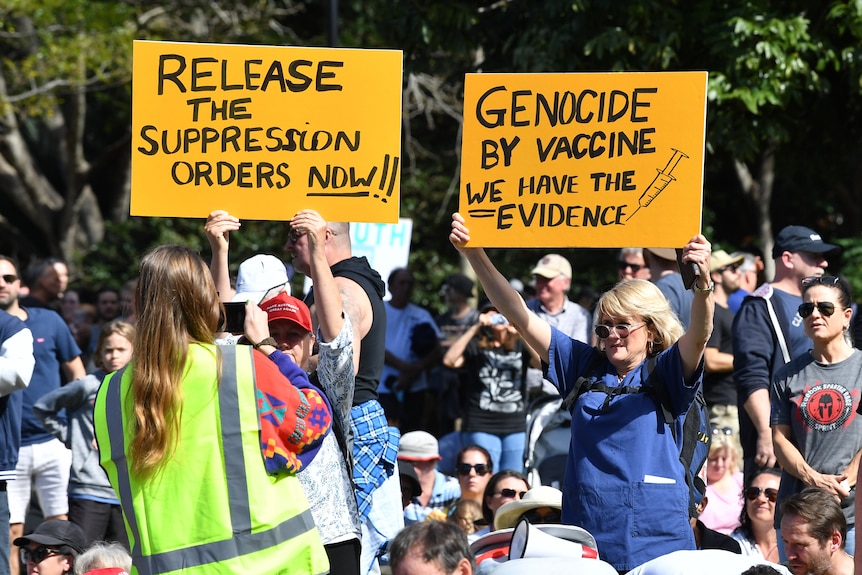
(507, 451)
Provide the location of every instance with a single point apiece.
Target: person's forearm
(327, 299)
(221, 277)
(789, 457)
(852, 469)
(454, 356)
(716, 361)
(757, 407)
(498, 289)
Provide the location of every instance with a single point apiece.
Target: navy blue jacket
(15, 340)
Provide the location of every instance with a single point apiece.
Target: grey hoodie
(87, 479)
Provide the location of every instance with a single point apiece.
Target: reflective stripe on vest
(243, 542)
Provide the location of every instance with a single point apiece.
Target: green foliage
(63, 45)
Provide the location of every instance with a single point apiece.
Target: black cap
(54, 533)
(460, 283)
(801, 239)
(408, 474)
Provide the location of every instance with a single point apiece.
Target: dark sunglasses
(623, 330)
(9, 278)
(635, 267)
(826, 308)
(722, 431)
(545, 516)
(293, 235)
(753, 493)
(822, 280)
(732, 268)
(39, 554)
(511, 493)
(481, 469)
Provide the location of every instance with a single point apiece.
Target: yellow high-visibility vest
(211, 508)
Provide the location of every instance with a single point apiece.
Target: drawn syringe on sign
(660, 182)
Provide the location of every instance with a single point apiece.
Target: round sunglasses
(623, 329)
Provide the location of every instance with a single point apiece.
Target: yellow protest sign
(264, 131)
(583, 160)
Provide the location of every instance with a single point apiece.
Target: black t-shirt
(719, 388)
(496, 389)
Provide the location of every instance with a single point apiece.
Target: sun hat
(663, 253)
(542, 496)
(721, 258)
(418, 446)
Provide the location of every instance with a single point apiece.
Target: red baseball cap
(284, 306)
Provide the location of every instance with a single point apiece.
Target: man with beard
(814, 532)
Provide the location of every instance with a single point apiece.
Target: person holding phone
(181, 425)
(495, 360)
(624, 482)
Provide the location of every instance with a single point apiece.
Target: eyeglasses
(294, 234)
(542, 515)
(722, 431)
(623, 330)
(822, 280)
(9, 278)
(39, 554)
(826, 308)
(753, 493)
(635, 267)
(510, 493)
(732, 268)
(481, 469)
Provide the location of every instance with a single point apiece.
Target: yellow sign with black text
(583, 159)
(264, 131)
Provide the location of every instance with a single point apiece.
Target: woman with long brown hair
(201, 443)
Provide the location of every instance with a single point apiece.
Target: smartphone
(233, 320)
(689, 271)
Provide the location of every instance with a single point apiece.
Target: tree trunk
(759, 190)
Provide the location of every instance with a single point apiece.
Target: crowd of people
(347, 431)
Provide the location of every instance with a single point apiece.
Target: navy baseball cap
(801, 239)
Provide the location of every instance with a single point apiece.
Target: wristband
(267, 341)
(708, 289)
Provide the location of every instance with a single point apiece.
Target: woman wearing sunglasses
(756, 532)
(816, 431)
(474, 469)
(504, 486)
(624, 482)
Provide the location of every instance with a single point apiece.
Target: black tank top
(373, 345)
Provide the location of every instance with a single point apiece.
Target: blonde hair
(177, 304)
(722, 441)
(641, 298)
(116, 327)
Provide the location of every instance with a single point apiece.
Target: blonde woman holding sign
(624, 482)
